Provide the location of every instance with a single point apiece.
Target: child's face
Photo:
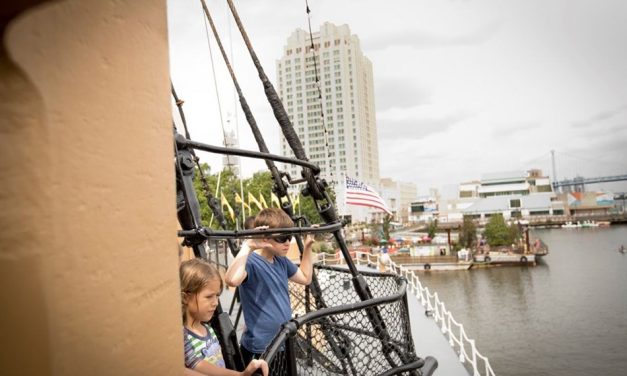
(200, 306)
(280, 245)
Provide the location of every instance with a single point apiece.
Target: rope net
(346, 342)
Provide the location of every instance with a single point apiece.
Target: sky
(462, 87)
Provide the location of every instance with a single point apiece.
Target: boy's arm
(305, 271)
(236, 273)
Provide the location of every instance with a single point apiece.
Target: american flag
(358, 193)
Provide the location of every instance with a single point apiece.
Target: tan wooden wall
(88, 257)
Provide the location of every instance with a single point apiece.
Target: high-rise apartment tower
(345, 140)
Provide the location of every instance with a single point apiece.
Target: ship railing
(340, 338)
(464, 346)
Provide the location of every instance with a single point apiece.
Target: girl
(201, 286)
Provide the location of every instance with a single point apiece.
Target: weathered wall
(88, 256)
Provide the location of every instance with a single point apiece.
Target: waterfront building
(334, 118)
(399, 197)
(588, 203)
(514, 194)
(452, 209)
(513, 183)
(516, 206)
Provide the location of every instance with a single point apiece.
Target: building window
(514, 203)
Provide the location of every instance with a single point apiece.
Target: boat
(571, 225)
(436, 266)
(432, 263)
(589, 224)
(504, 258)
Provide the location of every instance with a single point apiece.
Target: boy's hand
(309, 239)
(254, 365)
(256, 243)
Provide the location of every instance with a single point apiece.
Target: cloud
(508, 130)
(416, 123)
(600, 117)
(421, 39)
(398, 92)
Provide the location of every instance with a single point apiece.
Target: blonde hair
(195, 274)
(273, 218)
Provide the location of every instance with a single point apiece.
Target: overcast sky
(462, 87)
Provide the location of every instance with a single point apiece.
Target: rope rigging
(212, 202)
(279, 112)
(374, 319)
(319, 88)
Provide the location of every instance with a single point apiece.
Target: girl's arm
(191, 372)
(206, 368)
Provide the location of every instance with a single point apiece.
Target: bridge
(582, 181)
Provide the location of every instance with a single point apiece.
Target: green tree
(498, 233)
(205, 212)
(228, 183)
(260, 183)
(308, 208)
(468, 233)
(376, 232)
(432, 228)
(385, 226)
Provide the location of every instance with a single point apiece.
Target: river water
(565, 316)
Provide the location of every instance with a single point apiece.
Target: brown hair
(195, 274)
(249, 223)
(273, 218)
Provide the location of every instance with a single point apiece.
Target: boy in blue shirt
(261, 270)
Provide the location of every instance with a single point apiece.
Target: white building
(516, 206)
(398, 196)
(513, 183)
(512, 194)
(338, 130)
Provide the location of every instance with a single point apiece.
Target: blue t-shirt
(265, 300)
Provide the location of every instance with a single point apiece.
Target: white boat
(505, 258)
(571, 225)
(438, 266)
(587, 224)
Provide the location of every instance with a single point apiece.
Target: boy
(262, 279)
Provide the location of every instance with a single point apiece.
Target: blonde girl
(201, 286)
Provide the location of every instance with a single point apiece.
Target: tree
(205, 212)
(498, 233)
(260, 184)
(228, 183)
(385, 226)
(468, 233)
(432, 228)
(308, 208)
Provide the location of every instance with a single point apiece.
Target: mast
(554, 171)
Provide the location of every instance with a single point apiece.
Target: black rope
(318, 86)
(215, 81)
(212, 202)
(281, 187)
(279, 112)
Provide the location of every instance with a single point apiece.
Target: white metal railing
(451, 328)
